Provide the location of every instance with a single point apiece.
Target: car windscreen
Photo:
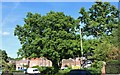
(35, 70)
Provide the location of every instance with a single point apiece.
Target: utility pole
(81, 42)
(81, 45)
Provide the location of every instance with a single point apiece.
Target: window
(18, 68)
(35, 70)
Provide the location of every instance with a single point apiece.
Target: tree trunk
(60, 64)
(55, 66)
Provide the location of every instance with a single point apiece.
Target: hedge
(113, 67)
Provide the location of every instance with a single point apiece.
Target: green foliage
(113, 67)
(63, 72)
(100, 22)
(116, 37)
(94, 71)
(4, 62)
(101, 50)
(17, 71)
(98, 64)
(8, 67)
(19, 58)
(4, 56)
(45, 70)
(51, 71)
(96, 67)
(101, 19)
(39, 68)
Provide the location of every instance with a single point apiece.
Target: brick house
(71, 62)
(40, 62)
(45, 62)
(32, 62)
(20, 64)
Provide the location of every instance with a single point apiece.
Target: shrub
(94, 71)
(96, 67)
(39, 68)
(113, 67)
(63, 72)
(48, 70)
(45, 70)
(17, 71)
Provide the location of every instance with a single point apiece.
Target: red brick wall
(40, 62)
(70, 62)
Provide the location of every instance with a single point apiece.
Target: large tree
(52, 36)
(100, 22)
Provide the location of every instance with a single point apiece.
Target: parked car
(87, 64)
(79, 72)
(33, 71)
(63, 68)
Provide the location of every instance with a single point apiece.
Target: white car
(32, 70)
(62, 68)
(87, 64)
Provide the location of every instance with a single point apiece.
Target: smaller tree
(101, 19)
(3, 55)
(100, 22)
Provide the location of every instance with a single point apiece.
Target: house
(21, 64)
(74, 63)
(40, 62)
(13, 62)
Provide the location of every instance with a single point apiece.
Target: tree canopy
(101, 19)
(100, 22)
(52, 36)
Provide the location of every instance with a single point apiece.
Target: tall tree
(51, 36)
(100, 22)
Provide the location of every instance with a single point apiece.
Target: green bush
(17, 71)
(113, 67)
(51, 71)
(94, 71)
(45, 70)
(63, 72)
(39, 68)
(96, 67)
